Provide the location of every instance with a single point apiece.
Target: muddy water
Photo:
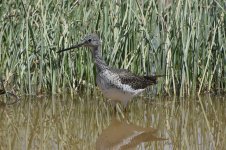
(83, 122)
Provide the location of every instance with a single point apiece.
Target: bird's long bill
(75, 46)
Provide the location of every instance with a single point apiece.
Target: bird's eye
(89, 40)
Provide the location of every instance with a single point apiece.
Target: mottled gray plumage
(137, 82)
(116, 84)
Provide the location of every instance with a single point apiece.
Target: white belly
(116, 94)
(113, 89)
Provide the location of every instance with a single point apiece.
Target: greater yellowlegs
(116, 84)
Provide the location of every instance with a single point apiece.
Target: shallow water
(84, 122)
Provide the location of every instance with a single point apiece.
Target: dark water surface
(83, 122)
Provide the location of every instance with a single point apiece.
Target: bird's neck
(98, 60)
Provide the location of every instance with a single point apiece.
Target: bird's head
(90, 40)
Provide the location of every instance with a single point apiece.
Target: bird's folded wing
(136, 82)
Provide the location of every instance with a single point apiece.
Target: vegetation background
(183, 39)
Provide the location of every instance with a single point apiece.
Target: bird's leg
(124, 104)
(125, 108)
(113, 104)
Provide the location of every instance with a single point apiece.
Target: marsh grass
(183, 39)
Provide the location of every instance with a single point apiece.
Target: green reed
(185, 40)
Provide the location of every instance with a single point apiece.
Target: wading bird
(118, 85)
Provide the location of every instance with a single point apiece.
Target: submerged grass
(183, 39)
(77, 122)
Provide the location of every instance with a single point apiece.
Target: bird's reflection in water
(123, 135)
